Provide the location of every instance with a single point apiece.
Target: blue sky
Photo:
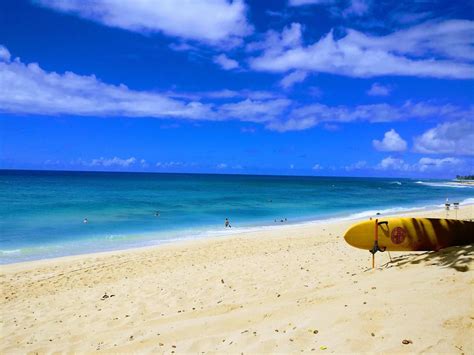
(303, 87)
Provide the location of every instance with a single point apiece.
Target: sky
(291, 87)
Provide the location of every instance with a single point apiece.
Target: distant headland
(465, 180)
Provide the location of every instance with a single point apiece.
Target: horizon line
(214, 173)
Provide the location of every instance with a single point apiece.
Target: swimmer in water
(227, 223)
(157, 213)
(85, 220)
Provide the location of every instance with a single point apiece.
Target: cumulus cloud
(293, 78)
(209, 21)
(391, 142)
(390, 163)
(442, 49)
(450, 137)
(317, 167)
(379, 90)
(226, 62)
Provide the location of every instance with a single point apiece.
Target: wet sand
(288, 290)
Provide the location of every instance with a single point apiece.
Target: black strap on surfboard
(376, 247)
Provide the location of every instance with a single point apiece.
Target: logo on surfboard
(398, 235)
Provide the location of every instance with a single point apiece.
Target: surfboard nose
(351, 236)
(360, 235)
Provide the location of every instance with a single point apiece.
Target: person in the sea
(85, 220)
(227, 223)
(157, 213)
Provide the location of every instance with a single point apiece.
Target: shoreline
(251, 231)
(286, 290)
(229, 233)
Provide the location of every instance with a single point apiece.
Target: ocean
(43, 212)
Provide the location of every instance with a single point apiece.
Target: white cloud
(356, 8)
(317, 167)
(391, 163)
(293, 78)
(391, 142)
(4, 54)
(361, 164)
(433, 49)
(28, 89)
(425, 164)
(290, 37)
(308, 116)
(221, 166)
(451, 137)
(254, 110)
(172, 164)
(209, 21)
(308, 2)
(379, 90)
(113, 162)
(452, 39)
(226, 62)
(225, 94)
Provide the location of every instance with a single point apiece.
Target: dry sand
(288, 290)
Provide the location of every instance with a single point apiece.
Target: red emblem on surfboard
(398, 235)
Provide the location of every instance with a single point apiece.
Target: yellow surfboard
(409, 234)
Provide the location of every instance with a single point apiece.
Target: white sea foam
(7, 252)
(453, 184)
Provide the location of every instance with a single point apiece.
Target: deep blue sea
(42, 213)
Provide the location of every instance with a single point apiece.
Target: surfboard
(410, 234)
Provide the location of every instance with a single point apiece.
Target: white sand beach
(287, 290)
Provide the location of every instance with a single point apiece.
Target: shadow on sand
(460, 258)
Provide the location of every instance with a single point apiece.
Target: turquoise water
(43, 212)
